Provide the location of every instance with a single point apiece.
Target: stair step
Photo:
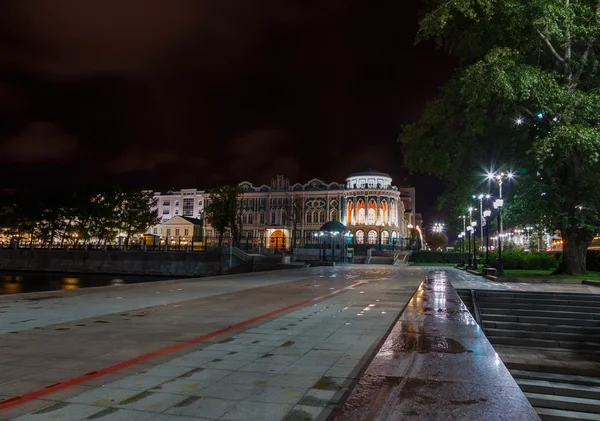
(567, 403)
(539, 295)
(544, 343)
(547, 301)
(555, 336)
(558, 389)
(539, 327)
(555, 377)
(543, 313)
(542, 320)
(549, 414)
(535, 306)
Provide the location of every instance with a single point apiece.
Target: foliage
(523, 260)
(137, 212)
(78, 216)
(534, 62)
(222, 211)
(510, 245)
(422, 256)
(436, 240)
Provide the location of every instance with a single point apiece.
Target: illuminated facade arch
(372, 237)
(360, 237)
(385, 237)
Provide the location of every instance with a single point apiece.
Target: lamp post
(464, 232)
(474, 224)
(498, 204)
(410, 227)
(469, 231)
(481, 197)
(461, 237)
(487, 213)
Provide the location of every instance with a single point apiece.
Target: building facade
(374, 211)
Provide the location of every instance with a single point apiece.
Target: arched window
(250, 218)
(262, 218)
(308, 217)
(372, 237)
(283, 217)
(361, 216)
(333, 216)
(385, 237)
(244, 218)
(273, 217)
(371, 217)
(322, 217)
(360, 237)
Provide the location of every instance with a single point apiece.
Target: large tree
(223, 209)
(525, 95)
(137, 212)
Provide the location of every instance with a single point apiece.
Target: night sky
(186, 93)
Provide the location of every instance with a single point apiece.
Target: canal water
(17, 282)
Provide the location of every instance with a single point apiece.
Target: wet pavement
(436, 364)
(461, 279)
(273, 346)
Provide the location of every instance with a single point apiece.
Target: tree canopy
(524, 98)
(223, 209)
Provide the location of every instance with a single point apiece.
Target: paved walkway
(281, 345)
(463, 280)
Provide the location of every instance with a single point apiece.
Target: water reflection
(70, 283)
(21, 282)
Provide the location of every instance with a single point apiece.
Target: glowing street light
(498, 204)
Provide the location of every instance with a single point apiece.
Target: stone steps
(536, 306)
(547, 335)
(555, 377)
(542, 313)
(540, 320)
(548, 414)
(543, 343)
(526, 301)
(561, 326)
(565, 403)
(560, 389)
(541, 327)
(538, 296)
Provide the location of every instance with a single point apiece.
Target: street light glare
(519, 121)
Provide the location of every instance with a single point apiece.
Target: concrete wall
(117, 262)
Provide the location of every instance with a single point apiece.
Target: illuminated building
(375, 211)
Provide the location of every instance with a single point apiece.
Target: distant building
(375, 211)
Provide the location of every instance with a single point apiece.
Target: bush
(525, 261)
(423, 256)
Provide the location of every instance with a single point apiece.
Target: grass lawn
(545, 274)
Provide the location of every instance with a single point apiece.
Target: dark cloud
(39, 142)
(188, 93)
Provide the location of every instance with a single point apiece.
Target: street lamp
(474, 224)
(461, 237)
(462, 257)
(487, 213)
(498, 204)
(481, 197)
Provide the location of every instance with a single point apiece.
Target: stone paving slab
(296, 366)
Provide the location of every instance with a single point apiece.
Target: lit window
(188, 206)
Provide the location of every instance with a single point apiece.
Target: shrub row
(512, 259)
(527, 261)
(422, 256)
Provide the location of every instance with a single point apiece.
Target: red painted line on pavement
(48, 390)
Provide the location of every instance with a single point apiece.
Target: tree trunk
(574, 254)
(220, 239)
